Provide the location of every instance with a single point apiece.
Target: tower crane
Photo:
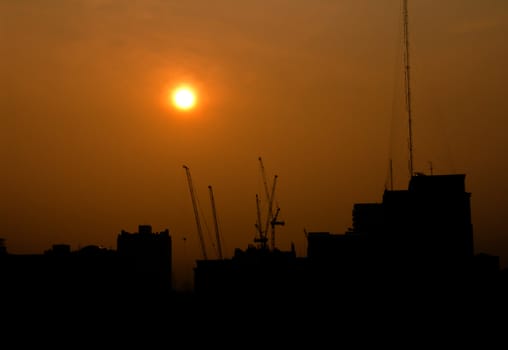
(196, 213)
(271, 218)
(214, 210)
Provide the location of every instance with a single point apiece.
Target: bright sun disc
(184, 98)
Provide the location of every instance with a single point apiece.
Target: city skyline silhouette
(411, 254)
(423, 234)
(347, 159)
(92, 146)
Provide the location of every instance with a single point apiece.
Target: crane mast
(196, 213)
(216, 223)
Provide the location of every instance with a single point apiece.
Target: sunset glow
(102, 102)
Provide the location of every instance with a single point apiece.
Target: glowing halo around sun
(184, 98)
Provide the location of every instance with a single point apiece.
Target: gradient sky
(90, 145)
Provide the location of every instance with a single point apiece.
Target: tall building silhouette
(429, 224)
(422, 235)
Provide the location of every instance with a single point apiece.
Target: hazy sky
(91, 146)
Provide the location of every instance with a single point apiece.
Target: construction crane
(269, 196)
(196, 213)
(261, 235)
(274, 222)
(214, 211)
(271, 217)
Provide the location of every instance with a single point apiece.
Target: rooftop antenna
(407, 84)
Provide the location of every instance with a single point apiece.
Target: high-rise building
(425, 230)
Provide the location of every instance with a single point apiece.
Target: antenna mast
(408, 86)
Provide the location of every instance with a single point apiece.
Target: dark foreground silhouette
(406, 268)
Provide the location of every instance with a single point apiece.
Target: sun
(184, 98)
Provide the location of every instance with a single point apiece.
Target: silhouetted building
(429, 225)
(257, 272)
(139, 268)
(151, 254)
(367, 217)
(60, 274)
(420, 234)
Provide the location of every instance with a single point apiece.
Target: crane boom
(196, 213)
(265, 181)
(214, 210)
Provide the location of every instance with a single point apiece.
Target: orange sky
(90, 146)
